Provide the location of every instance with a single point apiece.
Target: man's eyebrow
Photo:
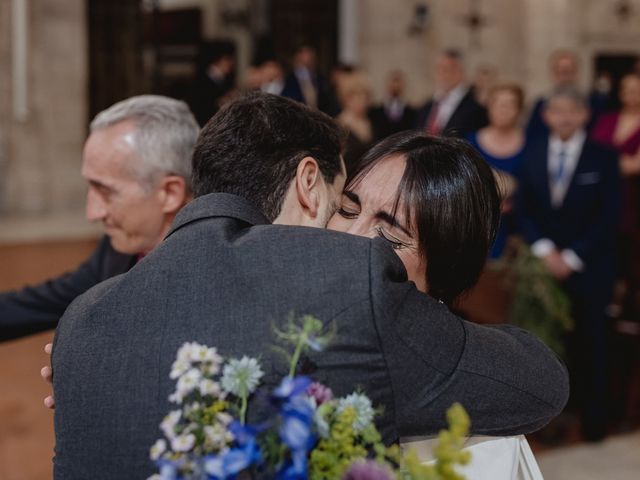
(98, 184)
(352, 196)
(391, 220)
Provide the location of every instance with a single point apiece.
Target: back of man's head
(165, 135)
(252, 147)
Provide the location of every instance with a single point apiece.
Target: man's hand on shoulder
(47, 375)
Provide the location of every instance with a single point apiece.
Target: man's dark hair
(450, 199)
(252, 146)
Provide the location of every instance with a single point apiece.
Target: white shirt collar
(571, 146)
(449, 103)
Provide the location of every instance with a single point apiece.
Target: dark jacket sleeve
(508, 381)
(36, 308)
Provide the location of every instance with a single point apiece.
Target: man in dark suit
(224, 276)
(137, 162)
(306, 85)
(453, 110)
(394, 115)
(214, 80)
(569, 208)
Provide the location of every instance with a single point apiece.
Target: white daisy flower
(169, 422)
(211, 369)
(224, 418)
(202, 353)
(363, 408)
(241, 377)
(188, 382)
(192, 407)
(184, 352)
(209, 387)
(179, 368)
(158, 449)
(217, 436)
(183, 443)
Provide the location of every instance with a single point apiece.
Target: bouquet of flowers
(308, 433)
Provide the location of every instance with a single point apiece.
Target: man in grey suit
(238, 260)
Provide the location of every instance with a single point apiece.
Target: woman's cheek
(416, 268)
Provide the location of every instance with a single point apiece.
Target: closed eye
(394, 242)
(347, 214)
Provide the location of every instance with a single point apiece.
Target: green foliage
(448, 452)
(334, 455)
(539, 303)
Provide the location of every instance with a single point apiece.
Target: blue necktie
(562, 163)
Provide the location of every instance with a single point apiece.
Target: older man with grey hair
(137, 163)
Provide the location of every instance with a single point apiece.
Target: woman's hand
(630, 164)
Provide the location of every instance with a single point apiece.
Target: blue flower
(295, 468)
(291, 387)
(243, 434)
(297, 421)
(168, 470)
(229, 464)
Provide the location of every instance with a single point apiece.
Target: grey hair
(165, 135)
(571, 93)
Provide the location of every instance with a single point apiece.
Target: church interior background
(62, 61)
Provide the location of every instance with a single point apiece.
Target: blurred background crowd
(553, 84)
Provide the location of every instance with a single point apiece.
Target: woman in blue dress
(502, 144)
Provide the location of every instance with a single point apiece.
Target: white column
(20, 35)
(348, 31)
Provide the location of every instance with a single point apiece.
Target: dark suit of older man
(224, 277)
(39, 307)
(579, 219)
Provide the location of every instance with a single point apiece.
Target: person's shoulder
(81, 312)
(83, 304)
(316, 239)
(321, 243)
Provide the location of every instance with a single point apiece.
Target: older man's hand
(47, 375)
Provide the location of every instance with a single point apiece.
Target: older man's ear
(173, 193)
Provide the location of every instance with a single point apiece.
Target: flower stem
(296, 354)
(243, 409)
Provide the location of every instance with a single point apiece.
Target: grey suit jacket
(224, 277)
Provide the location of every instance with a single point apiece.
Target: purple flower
(367, 470)
(320, 393)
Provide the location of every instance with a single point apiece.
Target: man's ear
(308, 179)
(173, 193)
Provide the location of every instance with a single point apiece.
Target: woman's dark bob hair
(451, 201)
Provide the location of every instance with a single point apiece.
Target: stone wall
(517, 37)
(43, 150)
(5, 102)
